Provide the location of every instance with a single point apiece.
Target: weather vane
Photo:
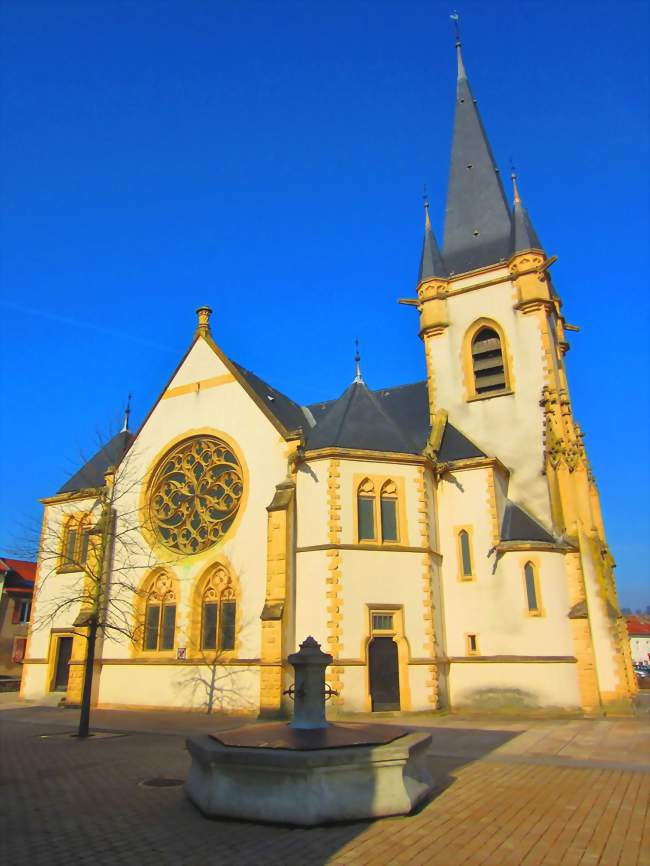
(455, 17)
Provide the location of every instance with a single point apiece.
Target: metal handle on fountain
(309, 691)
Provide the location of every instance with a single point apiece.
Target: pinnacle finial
(203, 325)
(357, 360)
(515, 188)
(425, 199)
(127, 414)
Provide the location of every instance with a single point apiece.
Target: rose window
(195, 494)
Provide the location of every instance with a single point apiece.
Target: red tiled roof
(27, 570)
(638, 625)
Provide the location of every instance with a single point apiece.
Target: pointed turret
(477, 219)
(431, 263)
(524, 237)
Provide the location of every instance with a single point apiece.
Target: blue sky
(268, 158)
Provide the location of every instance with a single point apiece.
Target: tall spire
(477, 219)
(431, 263)
(524, 236)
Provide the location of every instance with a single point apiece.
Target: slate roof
(524, 236)
(359, 420)
(518, 525)
(431, 263)
(403, 409)
(288, 413)
(92, 473)
(456, 446)
(477, 217)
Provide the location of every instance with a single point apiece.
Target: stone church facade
(443, 539)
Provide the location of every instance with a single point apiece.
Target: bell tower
(495, 345)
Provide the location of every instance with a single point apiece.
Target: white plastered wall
(486, 686)
(236, 688)
(50, 608)
(509, 427)
(227, 411)
(493, 606)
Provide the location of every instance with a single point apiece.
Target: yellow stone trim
(403, 651)
(199, 385)
(508, 660)
(378, 482)
(60, 498)
(140, 609)
(469, 529)
(78, 519)
(581, 637)
(536, 566)
(333, 579)
(427, 593)
(493, 510)
(367, 546)
(278, 573)
(339, 454)
(52, 654)
(469, 382)
(193, 635)
(431, 374)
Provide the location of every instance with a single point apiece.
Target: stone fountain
(309, 771)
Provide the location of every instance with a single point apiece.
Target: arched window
(388, 510)
(75, 543)
(487, 362)
(532, 589)
(218, 612)
(160, 614)
(366, 511)
(465, 554)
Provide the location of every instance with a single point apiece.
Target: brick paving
(509, 794)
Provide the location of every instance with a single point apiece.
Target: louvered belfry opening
(487, 362)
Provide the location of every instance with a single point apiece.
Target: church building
(442, 539)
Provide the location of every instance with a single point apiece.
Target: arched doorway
(384, 674)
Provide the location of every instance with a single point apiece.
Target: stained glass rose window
(195, 494)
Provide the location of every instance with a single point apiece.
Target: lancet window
(160, 615)
(487, 362)
(532, 590)
(366, 497)
(218, 612)
(75, 543)
(465, 555)
(388, 509)
(378, 511)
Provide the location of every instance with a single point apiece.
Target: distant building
(638, 628)
(442, 539)
(16, 590)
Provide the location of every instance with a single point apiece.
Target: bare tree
(105, 562)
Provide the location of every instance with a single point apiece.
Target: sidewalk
(509, 793)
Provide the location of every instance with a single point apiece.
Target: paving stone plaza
(552, 792)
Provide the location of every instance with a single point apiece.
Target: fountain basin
(309, 786)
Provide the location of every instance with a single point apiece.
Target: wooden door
(384, 674)
(62, 670)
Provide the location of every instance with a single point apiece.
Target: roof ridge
(398, 387)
